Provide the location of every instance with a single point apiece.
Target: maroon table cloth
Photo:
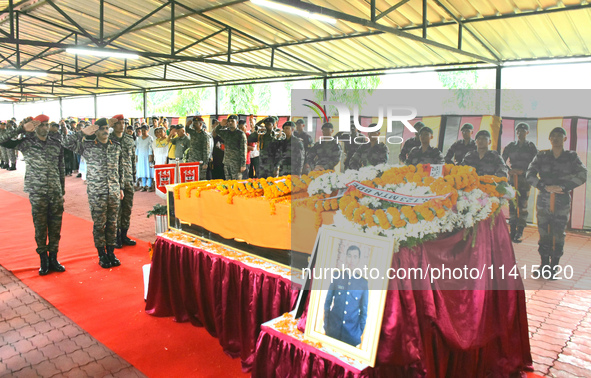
(430, 333)
(231, 300)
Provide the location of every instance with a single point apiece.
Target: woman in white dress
(145, 154)
(160, 146)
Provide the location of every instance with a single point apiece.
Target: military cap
(558, 130)
(234, 117)
(419, 125)
(485, 133)
(300, 122)
(467, 126)
(199, 119)
(101, 122)
(118, 116)
(180, 126)
(427, 129)
(522, 126)
(41, 118)
(270, 119)
(289, 124)
(327, 125)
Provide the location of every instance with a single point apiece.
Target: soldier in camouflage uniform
(554, 173)
(325, 154)
(372, 153)
(235, 151)
(411, 143)
(45, 183)
(289, 153)
(485, 161)
(520, 154)
(105, 179)
(306, 138)
(266, 141)
(459, 149)
(128, 151)
(200, 146)
(3, 150)
(11, 152)
(425, 154)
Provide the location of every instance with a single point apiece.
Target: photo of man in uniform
(345, 307)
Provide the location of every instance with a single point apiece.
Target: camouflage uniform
(325, 154)
(431, 156)
(11, 152)
(520, 156)
(105, 179)
(128, 151)
(290, 156)
(567, 172)
(306, 138)
(490, 164)
(458, 150)
(267, 160)
(408, 146)
(3, 150)
(368, 155)
(45, 183)
(200, 150)
(234, 153)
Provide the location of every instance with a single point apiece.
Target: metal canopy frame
(16, 51)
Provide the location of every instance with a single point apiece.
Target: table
(431, 333)
(229, 293)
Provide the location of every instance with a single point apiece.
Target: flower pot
(161, 223)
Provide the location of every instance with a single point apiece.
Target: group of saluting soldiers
(110, 158)
(555, 173)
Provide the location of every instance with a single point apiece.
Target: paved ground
(559, 317)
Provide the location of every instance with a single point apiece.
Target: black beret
(300, 121)
(327, 125)
(101, 122)
(270, 119)
(523, 126)
(558, 130)
(289, 123)
(419, 125)
(427, 129)
(468, 126)
(485, 133)
(233, 116)
(180, 126)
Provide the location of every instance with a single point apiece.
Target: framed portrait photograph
(348, 292)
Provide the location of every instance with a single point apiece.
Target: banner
(402, 199)
(189, 172)
(165, 175)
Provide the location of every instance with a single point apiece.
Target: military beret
(289, 124)
(427, 129)
(270, 119)
(327, 125)
(118, 116)
(199, 119)
(300, 122)
(522, 126)
(558, 130)
(101, 122)
(234, 117)
(419, 125)
(41, 118)
(485, 133)
(468, 126)
(180, 126)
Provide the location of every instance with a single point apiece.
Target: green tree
(468, 92)
(245, 98)
(349, 90)
(176, 103)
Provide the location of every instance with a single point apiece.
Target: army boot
(12, 167)
(554, 261)
(118, 243)
(543, 264)
(54, 265)
(103, 259)
(513, 230)
(124, 239)
(111, 256)
(518, 234)
(44, 269)
(2, 164)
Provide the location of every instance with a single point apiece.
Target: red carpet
(108, 304)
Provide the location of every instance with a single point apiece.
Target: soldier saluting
(555, 173)
(235, 148)
(520, 154)
(460, 148)
(200, 146)
(485, 161)
(44, 181)
(106, 179)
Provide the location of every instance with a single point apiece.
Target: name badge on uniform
(340, 287)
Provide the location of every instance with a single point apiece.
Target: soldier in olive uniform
(105, 179)
(325, 154)
(411, 143)
(372, 153)
(3, 150)
(11, 152)
(45, 184)
(235, 149)
(306, 138)
(425, 154)
(520, 154)
(345, 307)
(459, 149)
(200, 146)
(485, 161)
(182, 142)
(266, 143)
(554, 173)
(128, 150)
(289, 153)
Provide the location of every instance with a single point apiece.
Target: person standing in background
(145, 155)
